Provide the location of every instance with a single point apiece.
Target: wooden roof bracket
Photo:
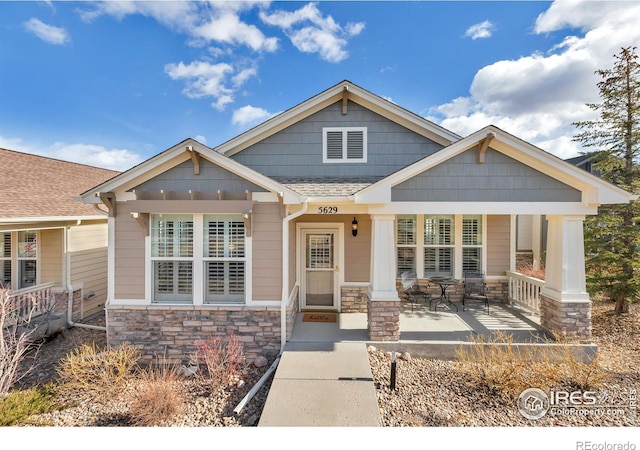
(109, 200)
(143, 221)
(195, 158)
(345, 100)
(247, 223)
(484, 146)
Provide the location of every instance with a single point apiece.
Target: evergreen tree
(612, 238)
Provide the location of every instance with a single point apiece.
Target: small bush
(17, 406)
(99, 371)
(223, 360)
(530, 271)
(157, 398)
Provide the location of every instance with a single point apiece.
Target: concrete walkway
(322, 384)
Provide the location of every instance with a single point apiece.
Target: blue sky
(113, 83)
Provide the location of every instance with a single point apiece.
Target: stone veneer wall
(570, 320)
(171, 331)
(61, 303)
(383, 318)
(353, 299)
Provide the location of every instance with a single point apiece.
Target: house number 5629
(328, 210)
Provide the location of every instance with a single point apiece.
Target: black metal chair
(412, 292)
(475, 288)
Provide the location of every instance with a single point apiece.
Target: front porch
(426, 333)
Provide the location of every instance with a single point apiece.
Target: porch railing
(35, 300)
(524, 291)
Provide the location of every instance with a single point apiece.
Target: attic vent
(342, 145)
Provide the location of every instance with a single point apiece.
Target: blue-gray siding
(297, 150)
(211, 179)
(499, 179)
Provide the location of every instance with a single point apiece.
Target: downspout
(285, 271)
(70, 322)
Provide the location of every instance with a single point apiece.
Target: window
(342, 145)
(406, 242)
(438, 245)
(172, 257)
(5, 260)
(224, 255)
(198, 258)
(471, 243)
(27, 258)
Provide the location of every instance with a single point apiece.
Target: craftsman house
(321, 208)
(52, 247)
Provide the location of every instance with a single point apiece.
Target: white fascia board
(561, 208)
(19, 220)
(356, 94)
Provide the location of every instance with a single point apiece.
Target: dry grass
(157, 398)
(101, 372)
(530, 271)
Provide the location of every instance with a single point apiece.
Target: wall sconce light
(354, 227)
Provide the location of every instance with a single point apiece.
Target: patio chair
(410, 288)
(475, 289)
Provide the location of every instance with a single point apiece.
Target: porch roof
(327, 187)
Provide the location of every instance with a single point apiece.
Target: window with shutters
(471, 243)
(27, 258)
(344, 145)
(439, 244)
(5, 260)
(406, 242)
(224, 256)
(172, 258)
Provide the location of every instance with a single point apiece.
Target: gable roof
(40, 187)
(354, 93)
(176, 155)
(595, 190)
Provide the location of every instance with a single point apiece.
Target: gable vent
(342, 145)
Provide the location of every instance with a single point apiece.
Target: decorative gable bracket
(109, 200)
(195, 158)
(484, 146)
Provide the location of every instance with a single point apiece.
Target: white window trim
(198, 271)
(344, 158)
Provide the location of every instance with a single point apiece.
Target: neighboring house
(52, 246)
(321, 208)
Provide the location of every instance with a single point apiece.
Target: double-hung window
(27, 258)
(471, 243)
(172, 258)
(5, 260)
(344, 145)
(439, 240)
(224, 256)
(198, 259)
(406, 243)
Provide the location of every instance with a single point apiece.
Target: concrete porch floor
(428, 333)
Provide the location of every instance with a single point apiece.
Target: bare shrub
(157, 398)
(223, 360)
(527, 269)
(99, 371)
(15, 339)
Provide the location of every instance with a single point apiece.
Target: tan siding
(129, 256)
(266, 235)
(51, 248)
(89, 267)
(86, 237)
(498, 244)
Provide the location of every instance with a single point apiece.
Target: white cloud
(311, 32)
(250, 115)
(480, 30)
(538, 97)
(90, 154)
(48, 33)
(204, 79)
(202, 139)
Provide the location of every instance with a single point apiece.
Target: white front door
(320, 268)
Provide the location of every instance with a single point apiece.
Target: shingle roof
(37, 186)
(327, 187)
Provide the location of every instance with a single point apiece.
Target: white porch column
(382, 285)
(565, 307)
(383, 305)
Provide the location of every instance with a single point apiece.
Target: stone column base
(568, 320)
(383, 318)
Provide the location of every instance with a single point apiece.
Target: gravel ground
(424, 396)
